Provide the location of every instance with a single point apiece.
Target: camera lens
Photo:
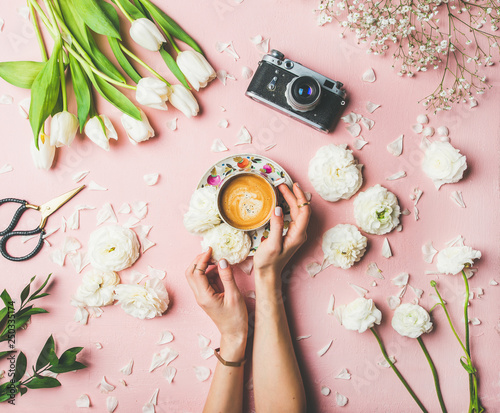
(303, 93)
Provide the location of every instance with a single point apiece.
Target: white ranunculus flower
(137, 130)
(113, 248)
(411, 320)
(376, 210)
(97, 288)
(227, 242)
(43, 157)
(335, 173)
(143, 301)
(360, 315)
(95, 132)
(343, 245)
(152, 92)
(452, 260)
(202, 214)
(182, 99)
(63, 127)
(196, 68)
(443, 163)
(145, 33)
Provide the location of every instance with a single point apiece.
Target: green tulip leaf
(131, 9)
(174, 68)
(21, 74)
(82, 91)
(95, 18)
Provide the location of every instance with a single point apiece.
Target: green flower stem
(434, 374)
(171, 40)
(133, 56)
(98, 72)
(395, 369)
(129, 18)
(44, 18)
(467, 341)
(63, 81)
(38, 33)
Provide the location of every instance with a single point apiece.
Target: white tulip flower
(95, 132)
(152, 92)
(145, 33)
(196, 68)
(63, 127)
(44, 156)
(137, 130)
(182, 99)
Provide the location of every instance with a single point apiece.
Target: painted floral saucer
(250, 162)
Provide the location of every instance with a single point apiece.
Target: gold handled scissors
(46, 210)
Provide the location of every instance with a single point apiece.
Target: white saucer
(244, 162)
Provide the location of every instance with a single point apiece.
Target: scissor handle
(17, 215)
(9, 235)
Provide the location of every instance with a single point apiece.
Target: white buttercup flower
(443, 163)
(148, 301)
(182, 99)
(452, 260)
(376, 210)
(202, 214)
(411, 320)
(99, 135)
(145, 33)
(196, 68)
(97, 288)
(137, 130)
(113, 248)
(343, 245)
(226, 242)
(63, 127)
(359, 315)
(334, 173)
(152, 92)
(44, 155)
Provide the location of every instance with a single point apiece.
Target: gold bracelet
(228, 363)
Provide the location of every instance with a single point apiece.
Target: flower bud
(182, 99)
(152, 92)
(145, 33)
(63, 127)
(196, 68)
(98, 134)
(137, 130)
(44, 156)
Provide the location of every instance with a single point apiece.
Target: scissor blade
(52, 206)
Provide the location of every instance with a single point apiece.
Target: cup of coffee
(246, 200)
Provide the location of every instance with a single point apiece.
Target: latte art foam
(247, 201)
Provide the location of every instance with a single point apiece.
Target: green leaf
(39, 296)
(44, 92)
(22, 390)
(32, 311)
(4, 397)
(142, 9)
(6, 353)
(21, 74)
(467, 366)
(114, 96)
(47, 355)
(26, 291)
(21, 363)
(131, 9)
(102, 62)
(34, 295)
(95, 18)
(42, 383)
(170, 25)
(82, 90)
(6, 299)
(69, 356)
(71, 367)
(174, 68)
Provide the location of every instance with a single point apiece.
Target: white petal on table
(83, 401)
(325, 391)
(331, 304)
(203, 341)
(154, 397)
(341, 399)
(153, 272)
(79, 176)
(322, 351)
(166, 337)
(172, 124)
(371, 107)
(93, 186)
(386, 249)
(218, 146)
(401, 280)
(151, 179)
(343, 375)
(373, 271)
(106, 214)
(6, 100)
(428, 252)
(111, 404)
(105, 387)
(6, 168)
(127, 369)
(397, 175)
(169, 373)
(359, 290)
(369, 76)
(202, 373)
(396, 147)
(243, 136)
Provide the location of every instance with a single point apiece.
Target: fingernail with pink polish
(223, 263)
(296, 183)
(278, 211)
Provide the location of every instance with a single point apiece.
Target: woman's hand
(274, 252)
(217, 293)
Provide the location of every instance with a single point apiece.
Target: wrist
(232, 347)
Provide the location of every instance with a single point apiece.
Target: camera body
(297, 91)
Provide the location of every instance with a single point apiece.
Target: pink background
(181, 157)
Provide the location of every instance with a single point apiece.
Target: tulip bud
(137, 130)
(182, 99)
(152, 92)
(98, 134)
(145, 33)
(63, 127)
(196, 68)
(44, 156)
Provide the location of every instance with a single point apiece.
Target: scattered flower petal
(371, 107)
(169, 373)
(341, 399)
(166, 337)
(373, 271)
(359, 290)
(351, 118)
(106, 214)
(203, 341)
(415, 213)
(331, 304)
(263, 46)
(313, 268)
(83, 401)
(221, 46)
(127, 370)
(269, 147)
(343, 375)
(369, 76)
(111, 404)
(124, 209)
(172, 124)
(325, 391)
(148, 408)
(79, 176)
(93, 186)
(418, 128)
(98, 346)
(202, 373)
(386, 249)
(206, 353)
(397, 175)
(6, 100)
(151, 179)
(457, 197)
(24, 107)
(105, 387)
(154, 397)
(6, 168)
(246, 72)
(367, 123)
(393, 302)
(443, 131)
(428, 131)
(429, 252)
(401, 280)
(418, 292)
(223, 123)
(354, 129)
(218, 146)
(299, 338)
(475, 321)
(422, 119)
(405, 211)
(243, 136)
(359, 143)
(324, 349)
(385, 364)
(396, 147)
